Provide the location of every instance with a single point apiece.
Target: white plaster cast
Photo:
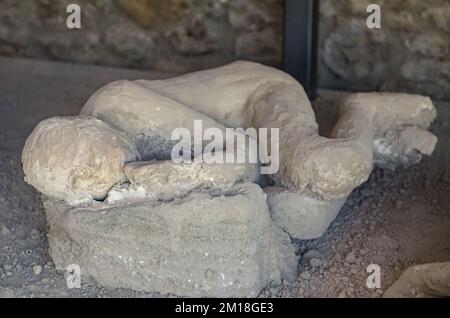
(82, 158)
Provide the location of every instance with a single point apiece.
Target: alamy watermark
(374, 19)
(374, 279)
(73, 20)
(73, 276)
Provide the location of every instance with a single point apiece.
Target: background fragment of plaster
(76, 158)
(204, 245)
(422, 281)
(167, 180)
(301, 216)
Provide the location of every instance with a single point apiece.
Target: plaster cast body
(215, 212)
(245, 94)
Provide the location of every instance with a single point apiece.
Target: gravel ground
(397, 219)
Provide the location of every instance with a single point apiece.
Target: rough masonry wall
(410, 53)
(170, 35)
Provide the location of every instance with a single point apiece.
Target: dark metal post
(300, 42)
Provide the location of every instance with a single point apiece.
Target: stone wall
(411, 52)
(169, 35)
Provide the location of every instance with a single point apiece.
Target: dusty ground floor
(395, 220)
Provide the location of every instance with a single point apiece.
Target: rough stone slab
(167, 180)
(76, 158)
(301, 216)
(202, 245)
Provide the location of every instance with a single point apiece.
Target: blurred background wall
(410, 53)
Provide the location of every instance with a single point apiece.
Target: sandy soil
(395, 220)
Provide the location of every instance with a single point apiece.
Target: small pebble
(316, 262)
(4, 230)
(350, 258)
(7, 293)
(312, 254)
(35, 234)
(37, 269)
(305, 275)
(342, 294)
(367, 192)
